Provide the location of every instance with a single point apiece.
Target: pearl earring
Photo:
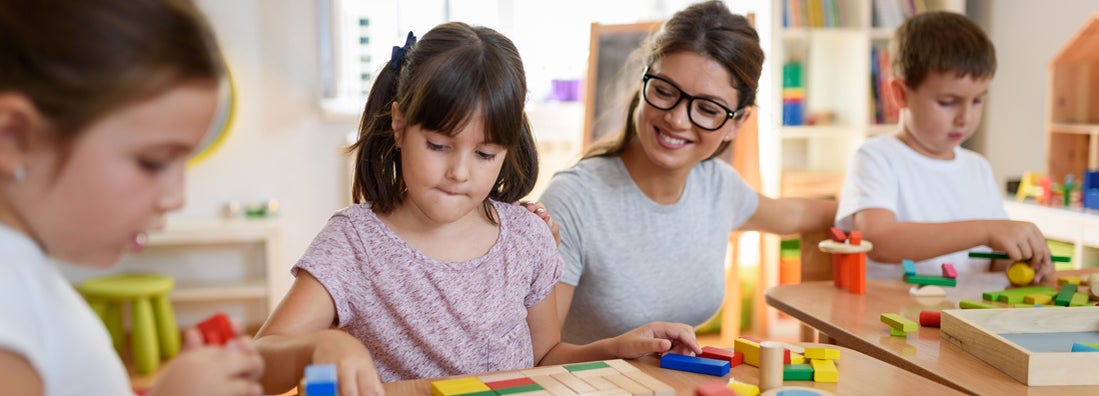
(19, 173)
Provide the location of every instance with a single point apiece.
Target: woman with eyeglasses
(645, 216)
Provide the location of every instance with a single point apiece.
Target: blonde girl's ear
(19, 121)
(897, 90)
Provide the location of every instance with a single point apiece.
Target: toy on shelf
(848, 259)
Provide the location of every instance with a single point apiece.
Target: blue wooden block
(319, 380)
(909, 267)
(1078, 347)
(694, 364)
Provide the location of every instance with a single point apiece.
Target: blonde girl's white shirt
(44, 320)
(887, 174)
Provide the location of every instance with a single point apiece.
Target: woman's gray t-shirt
(634, 261)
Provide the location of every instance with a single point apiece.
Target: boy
(918, 194)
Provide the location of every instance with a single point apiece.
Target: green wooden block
(1078, 300)
(930, 280)
(898, 322)
(519, 389)
(797, 372)
(1064, 297)
(897, 333)
(1014, 296)
(585, 366)
(991, 295)
(970, 304)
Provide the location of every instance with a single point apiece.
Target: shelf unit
(836, 74)
(1073, 130)
(234, 266)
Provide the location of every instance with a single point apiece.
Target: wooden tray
(979, 332)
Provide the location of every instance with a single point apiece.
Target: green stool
(154, 334)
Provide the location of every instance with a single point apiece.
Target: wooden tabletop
(859, 375)
(854, 321)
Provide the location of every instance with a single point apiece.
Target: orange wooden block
(856, 237)
(858, 274)
(837, 234)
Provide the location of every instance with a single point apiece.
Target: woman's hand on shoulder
(657, 337)
(355, 369)
(539, 209)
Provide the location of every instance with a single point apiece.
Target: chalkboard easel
(610, 76)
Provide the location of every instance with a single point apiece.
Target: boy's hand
(657, 337)
(355, 369)
(233, 370)
(540, 210)
(1022, 241)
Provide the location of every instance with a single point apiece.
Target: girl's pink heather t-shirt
(422, 318)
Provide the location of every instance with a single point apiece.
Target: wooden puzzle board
(604, 378)
(980, 332)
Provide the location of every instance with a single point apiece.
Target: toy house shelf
(1073, 130)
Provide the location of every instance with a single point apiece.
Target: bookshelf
(1073, 130)
(831, 101)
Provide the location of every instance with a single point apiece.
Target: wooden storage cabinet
(1073, 141)
(234, 266)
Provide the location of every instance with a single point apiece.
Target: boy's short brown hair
(941, 41)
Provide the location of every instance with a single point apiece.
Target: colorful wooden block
(909, 267)
(734, 358)
(949, 271)
(216, 330)
(930, 318)
(899, 325)
(824, 371)
(1079, 347)
(510, 383)
(749, 348)
(694, 364)
(970, 304)
(1078, 300)
(855, 237)
(797, 372)
(837, 234)
(930, 280)
(319, 380)
(1064, 297)
(1061, 281)
(715, 388)
(822, 353)
(458, 386)
(1020, 274)
(1038, 299)
(742, 388)
(585, 366)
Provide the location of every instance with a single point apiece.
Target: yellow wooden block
(1068, 279)
(749, 348)
(797, 358)
(1040, 299)
(821, 353)
(458, 386)
(824, 371)
(743, 389)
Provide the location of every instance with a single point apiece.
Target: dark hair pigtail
(377, 176)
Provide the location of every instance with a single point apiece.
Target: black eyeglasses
(704, 113)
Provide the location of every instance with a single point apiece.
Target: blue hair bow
(396, 60)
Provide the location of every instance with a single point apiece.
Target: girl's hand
(233, 369)
(540, 210)
(355, 369)
(657, 337)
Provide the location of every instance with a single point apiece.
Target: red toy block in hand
(837, 234)
(216, 330)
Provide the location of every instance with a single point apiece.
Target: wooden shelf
(248, 289)
(1073, 135)
(1083, 129)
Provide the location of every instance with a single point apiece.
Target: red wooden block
(856, 237)
(716, 388)
(837, 234)
(511, 383)
(930, 318)
(857, 283)
(949, 271)
(734, 358)
(216, 330)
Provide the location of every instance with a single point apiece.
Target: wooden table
(853, 321)
(859, 375)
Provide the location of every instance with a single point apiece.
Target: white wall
(1027, 34)
(279, 146)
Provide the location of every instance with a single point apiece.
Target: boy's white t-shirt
(889, 175)
(44, 320)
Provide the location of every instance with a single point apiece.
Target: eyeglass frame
(645, 77)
